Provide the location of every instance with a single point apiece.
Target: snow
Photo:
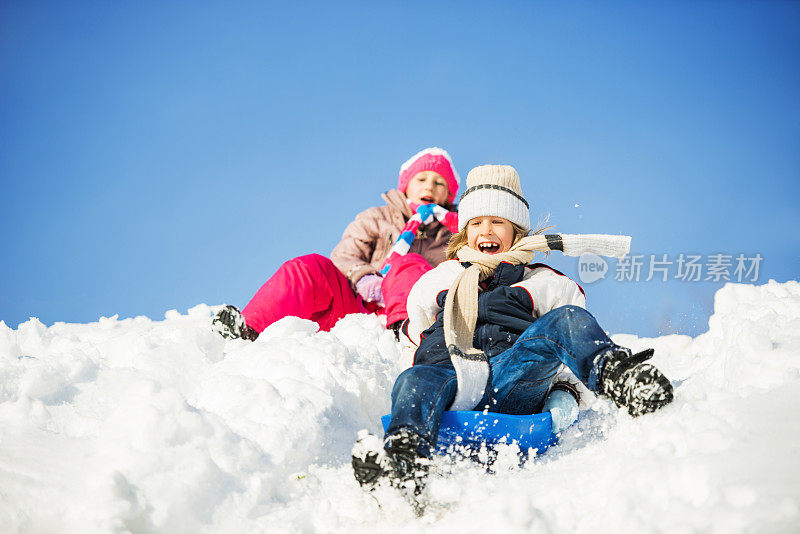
(137, 425)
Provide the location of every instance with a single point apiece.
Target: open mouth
(489, 248)
(427, 199)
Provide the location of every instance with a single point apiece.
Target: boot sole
(367, 471)
(658, 394)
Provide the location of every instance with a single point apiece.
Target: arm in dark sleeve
(510, 307)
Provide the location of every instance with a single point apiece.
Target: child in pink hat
(383, 252)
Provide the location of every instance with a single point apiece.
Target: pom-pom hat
(494, 191)
(431, 159)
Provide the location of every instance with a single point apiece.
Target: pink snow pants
(311, 287)
(398, 282)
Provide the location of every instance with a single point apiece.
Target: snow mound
(137, 425)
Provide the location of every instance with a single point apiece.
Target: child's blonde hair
(460, 239)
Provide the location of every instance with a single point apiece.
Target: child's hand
(369, 287)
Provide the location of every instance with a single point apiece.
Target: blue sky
(156, 155)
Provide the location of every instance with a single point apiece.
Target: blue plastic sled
(472, 429)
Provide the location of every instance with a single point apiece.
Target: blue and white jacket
(508, 303)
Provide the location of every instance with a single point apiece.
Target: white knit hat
(494, 191)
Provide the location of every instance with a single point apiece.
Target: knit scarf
(461, 303)
(423, 214)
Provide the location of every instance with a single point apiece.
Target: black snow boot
(397, 460)
(229, 323)
(630, 382)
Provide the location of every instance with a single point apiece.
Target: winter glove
(563, 406)
(369, 287)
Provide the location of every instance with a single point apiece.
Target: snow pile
(144, 425)
(163, 426)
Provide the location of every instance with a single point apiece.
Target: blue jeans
(519, 377)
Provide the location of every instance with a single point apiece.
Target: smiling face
(427, 187)
(490, 235)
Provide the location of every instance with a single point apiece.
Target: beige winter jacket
(366, 242)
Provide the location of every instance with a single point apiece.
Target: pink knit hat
(431, 159)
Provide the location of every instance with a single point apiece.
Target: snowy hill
(162, 426)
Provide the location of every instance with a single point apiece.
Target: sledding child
(494, 331)
(372, 269)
